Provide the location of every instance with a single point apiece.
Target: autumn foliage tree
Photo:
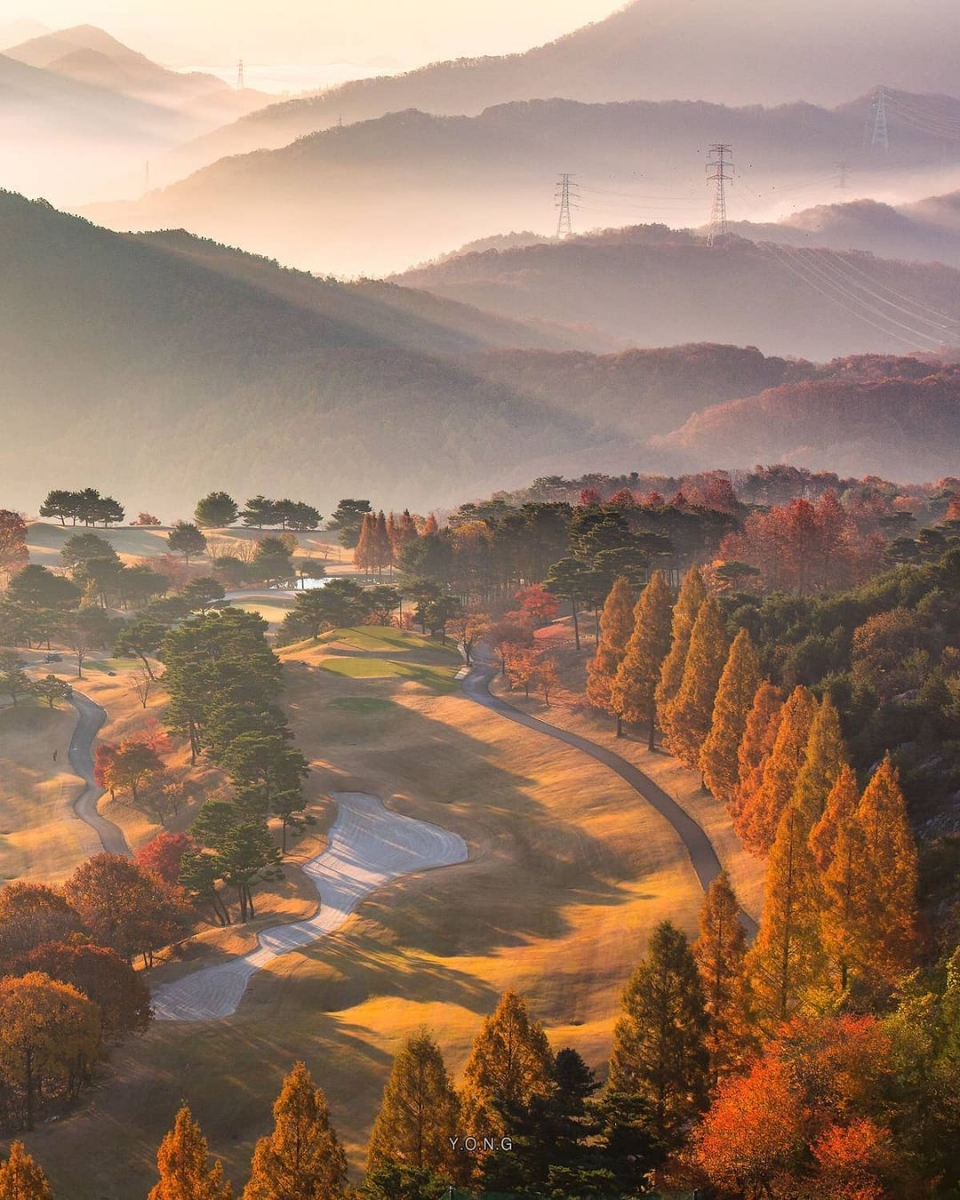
(756, 746)
(761, 811)
(616, 627)
(121, 996)
(633, 692)
(183, 1161)
(719, 757)
(419, 1112)
(688, 716)
(693, 592)
(720, 951)
(302, 1158)
(21, 1178)
(824, 758)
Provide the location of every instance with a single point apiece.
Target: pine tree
(693, 592)
(183, 1162)
(719, 758)
(786, 964)
(302, 1158)
(419, 1112)
(756, 746)
(838, 813)
(659, 1047)
(634, 688)
(510, 1063)
(884, 945)
(21, 1178)
(761, 815)
(720, 951)
(837, 846)
(824, 758)
(616, 626)
(690, 713)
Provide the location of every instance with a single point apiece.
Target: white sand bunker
(369, 846)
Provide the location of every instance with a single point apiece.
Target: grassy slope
(569, 870)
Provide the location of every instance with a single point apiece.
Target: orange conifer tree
(719, 758)
(720, 951)
(693, 592)
(184, 1165)
(756, 746)
(616, 626)
(761, 816)
(690, 713)
(633, 693)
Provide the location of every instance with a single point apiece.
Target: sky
(278, 32)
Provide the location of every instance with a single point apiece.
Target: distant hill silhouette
(12, 33)
(178, 367)
(818, 51)
(650, 286)
(923, 231)
(898, 420)
(384, 193)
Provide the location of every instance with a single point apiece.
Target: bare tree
(143, 683)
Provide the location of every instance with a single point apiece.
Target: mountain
(380, 194)
(80, 112)
(904, 424)
(923, 231)
(654, 50)
(166, 369)
(651, 286)
(90, 55)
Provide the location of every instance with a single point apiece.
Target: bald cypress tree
(837, 846)
(693, 592)
(184, 1165)
(660, 1043)
(419, 1112)
(21, 1178)
(633, 693)
(756, 746)
(720, 951)
(884, 942)
(616, 626)
(760, 818)
(691, 711)
(510, 1064)
(786, 965)
(824, 758)
(719, 758)
(302, 1158)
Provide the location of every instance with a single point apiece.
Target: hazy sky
(303, 31)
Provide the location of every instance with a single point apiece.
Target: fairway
(568, 872)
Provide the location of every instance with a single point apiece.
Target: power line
(718, 163)
(565, 198)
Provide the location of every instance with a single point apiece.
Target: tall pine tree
(510, 1064)
(616, 626)
(693, 592)
(756, 746)
(689, 715)
(824, 759)
(21, 1178)
(884, 945)
(837, 846)
(719, 758)
(633, 693)
(762, 811)
(419, 1112)
(786, 965)
(302, 1158)
(184, 1165)
(720, 951)
(660, 1043)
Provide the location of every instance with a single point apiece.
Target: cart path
(91, 718)
(703, 856)
(369, 847)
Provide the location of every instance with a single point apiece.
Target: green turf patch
(438, 678)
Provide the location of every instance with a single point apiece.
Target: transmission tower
(240, 83)
(718, 163)
(565, 198)
(880, 139)
(843, 176)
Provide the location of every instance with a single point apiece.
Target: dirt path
(91, 718)
(703, 856)
(369, 847)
